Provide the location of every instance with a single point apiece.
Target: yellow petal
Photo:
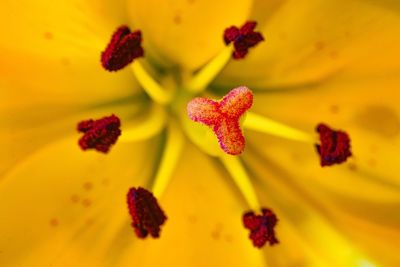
(367, 109)
(313, 40)
(360, 197)
(24, 129)
(186, 32)
(321, 233)
(204, 226)
(51, 52)
(65, 207)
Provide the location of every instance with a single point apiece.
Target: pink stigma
(99, 134)
(123, 48)
(243, 38)
(334, 147)
(261, 227)
(223, 117)
(146, 214)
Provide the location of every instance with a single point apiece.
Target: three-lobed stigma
(147, 216)
(334, 147)
(261, 227)
(223, 117)
(122, 49)
(243, 38)
(99, 134)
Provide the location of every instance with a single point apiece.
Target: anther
(99, 134)
(261, 227)
(146, 214)
(243, 38)
(334, 147)
(123, 48)
(223, 117)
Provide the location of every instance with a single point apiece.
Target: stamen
(223, 117)
(123, 48)
(170, 157)
(146, 214)
(334, 147)
(152, 88)
(149, 128)
(261, 227)
(209, 72)
(239, 175)
(99, 134)
(265, 125)
(243, 38)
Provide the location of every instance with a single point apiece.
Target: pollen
(99, 134)
(146, 214)
(243, 38)
(223, 117)
(261, 227)
(122, 49)
(334, 147)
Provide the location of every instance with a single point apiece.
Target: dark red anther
(123, 48)
(99, 134)
(243, 38)
(334, 147)
(261, 227)
(146, 214)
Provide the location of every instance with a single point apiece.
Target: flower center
(178, 103)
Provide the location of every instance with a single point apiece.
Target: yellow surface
(328, 61)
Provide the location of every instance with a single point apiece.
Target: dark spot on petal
(192, 219)
(216, 232)
(54, 222)
(86, 202)
(177, 19)
(75, 198)
(381, 120)
(228, 238)
(319, 45)
(352, 166)
(334, 54)
(89, 222)
(334, 109)
(105, 182)
(372, 162)
(88, 186)
(48, 35)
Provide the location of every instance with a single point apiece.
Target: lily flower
(200, 133)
